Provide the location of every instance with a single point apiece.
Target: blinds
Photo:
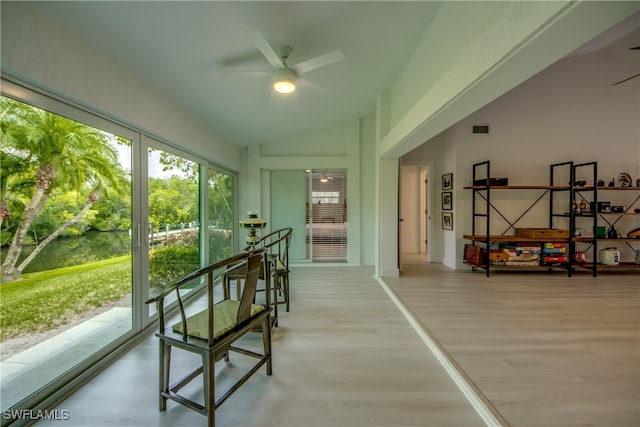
(326, 216)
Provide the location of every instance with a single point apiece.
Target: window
(66, 244)
(114, 210)
(327, 197)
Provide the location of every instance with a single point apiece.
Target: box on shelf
(553, 233)
(498, 257)
(499, 182)
(555, 259)
(521, 254)
(474, 254)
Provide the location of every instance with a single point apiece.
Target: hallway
(545, 350)
(344, 356)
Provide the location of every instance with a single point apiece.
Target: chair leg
(165, 364)
(208, 372)
(287, 288)
(266, 341)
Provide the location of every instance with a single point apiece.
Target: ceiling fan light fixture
(284, 86)
(284, 80)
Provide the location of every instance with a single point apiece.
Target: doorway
(326, 216)
(413, 229)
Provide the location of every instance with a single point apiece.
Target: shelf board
(606, 239)
(621, 266)
(618, 188)
(518, 267)
(517, 187)
(516, 239)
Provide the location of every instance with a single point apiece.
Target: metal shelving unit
(482, 209)
(610, 219)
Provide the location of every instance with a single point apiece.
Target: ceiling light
(284, 80)
(324, 178)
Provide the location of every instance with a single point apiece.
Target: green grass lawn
(44, 300)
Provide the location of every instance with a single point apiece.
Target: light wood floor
(344, 356)
(547, 350)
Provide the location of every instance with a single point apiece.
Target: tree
(57, 153)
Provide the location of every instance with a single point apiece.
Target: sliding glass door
(220, 213)
(314, 203)
(326, 216)
(173, 225)
(67, 271)
(93, 217)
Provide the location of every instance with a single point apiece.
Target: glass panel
(220, 215)
(174, 218)
(65, 211)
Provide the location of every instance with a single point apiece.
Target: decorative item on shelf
(583, 206)
(612, 233)
(601, 207)
(634, 234)
(612, 183)
(624, 180)
(581, 183)
(579, 257)
(577, 232)
(609, 256)
(497, 182)
(574, 206)
(637, 257)
(638, 182)
(474, 254)
(600, 183)
(617, 209)
(253, 223)
(637, 210)
(537, 233)
(601, 231)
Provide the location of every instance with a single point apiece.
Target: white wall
(37, 50)
(568, 112)
(524, 38)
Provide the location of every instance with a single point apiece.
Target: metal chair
(212, 333)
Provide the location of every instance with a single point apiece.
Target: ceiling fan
(285, 76)
(632, 77)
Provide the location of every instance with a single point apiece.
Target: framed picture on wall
(447, 201)
(447, 181)
(447, 220)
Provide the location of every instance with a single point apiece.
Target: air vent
(480, 129)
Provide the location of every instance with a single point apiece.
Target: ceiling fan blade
(627, 79)
(252, 73)
(319, 61)
(314, 86)
(263, 45)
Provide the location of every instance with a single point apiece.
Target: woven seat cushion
(280, 266)
(225, 314)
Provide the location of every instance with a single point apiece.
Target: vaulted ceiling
(201, 55)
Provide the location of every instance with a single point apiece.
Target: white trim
(482, 405)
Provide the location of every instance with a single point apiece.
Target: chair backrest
(277, 243)
(244, 266)
(254, 261)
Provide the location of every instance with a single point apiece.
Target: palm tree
(59, 153)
